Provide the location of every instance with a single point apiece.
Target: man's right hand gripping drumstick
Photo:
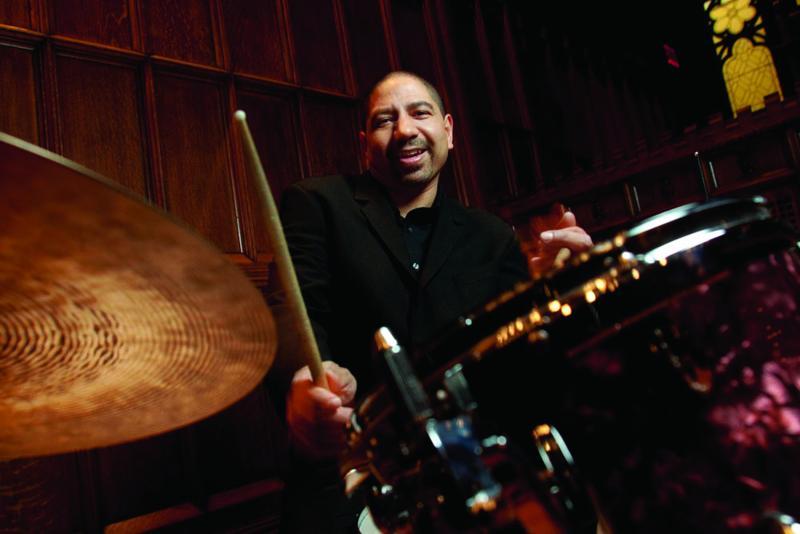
(317, 410)
(317, 416)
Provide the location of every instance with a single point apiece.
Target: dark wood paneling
(142, 476)
(41, 495)
(669, 186)
(317, 44)
(494, 178)
(99, 107)
(179, 29)
(237, 446)
(367, 42)
(330, 136)
(271, 119)
(18, 86)
(753, 160)
(412, 38)
(195, 156)
(103, 21)
(602, 210)
(256, 37)
(16, 13)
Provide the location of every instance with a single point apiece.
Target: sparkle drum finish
(668, 358)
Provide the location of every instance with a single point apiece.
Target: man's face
(407, 138)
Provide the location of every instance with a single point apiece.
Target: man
(389, 249)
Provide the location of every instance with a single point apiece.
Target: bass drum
(666, 362)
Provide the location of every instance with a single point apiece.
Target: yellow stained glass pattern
(739, 36)
(750, 75)
(731, 16)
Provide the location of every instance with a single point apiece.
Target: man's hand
(561, 236)
(317, 416)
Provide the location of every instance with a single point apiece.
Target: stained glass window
(747, 66)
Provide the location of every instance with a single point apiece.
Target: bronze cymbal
(116, 321)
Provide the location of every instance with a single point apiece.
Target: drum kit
(649, 385)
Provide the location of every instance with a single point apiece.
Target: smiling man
(386, 248)
(407, 139)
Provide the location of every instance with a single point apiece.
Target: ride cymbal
(116, 322)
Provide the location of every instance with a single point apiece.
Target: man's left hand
(556, 243)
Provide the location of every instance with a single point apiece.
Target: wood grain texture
(367, 36)
(180, 29)
(100, 113)
(256, 38)
(607, 208)
(41, 495)
(16, 13)
(317, 45)
(241, 435)
(19, 90)
(330, 136)
(667, 186)
(195, 156)
(271, 118)
(102, 21)
(408, 20)
(140, 477)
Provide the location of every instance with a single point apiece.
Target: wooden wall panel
(41, 495)
(271, 119)
(193, 124)
(180, 29)
(318, 47)
(740, 163)
(367, 42)
(257, 38)
(103, 21)
(330, 136)
(602, 210)
(19, 90)
(414, 47)
(236, 447)
(16, 13)
(143, 476)
(668, 186)
(99, 106)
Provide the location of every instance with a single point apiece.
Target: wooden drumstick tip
(240, 115)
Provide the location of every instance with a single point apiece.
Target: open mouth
(410, 156)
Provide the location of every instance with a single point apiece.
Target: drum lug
(457, 386)
(561, 481)
(696, 376)
(389, 509)
(461, 451)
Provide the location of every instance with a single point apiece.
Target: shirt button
(415, 266)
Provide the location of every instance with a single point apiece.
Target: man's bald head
(437, 98)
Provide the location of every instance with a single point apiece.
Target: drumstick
(283, 261)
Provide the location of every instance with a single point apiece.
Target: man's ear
(448, 127)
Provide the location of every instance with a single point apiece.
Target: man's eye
(422, 114)
(381, 121)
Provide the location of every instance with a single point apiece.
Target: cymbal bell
(116, 321)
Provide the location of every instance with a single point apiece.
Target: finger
(573, 238)
(341, 381)
(302, 375)
(567, 220)
(324, 401)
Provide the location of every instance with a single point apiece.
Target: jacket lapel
(381, 213)
(446, 232)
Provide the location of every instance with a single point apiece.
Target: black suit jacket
(354, 270)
